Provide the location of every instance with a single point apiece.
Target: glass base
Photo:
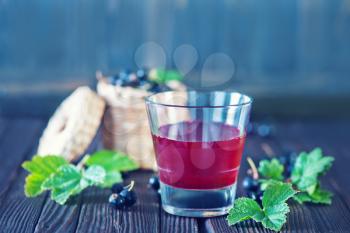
(197, 203)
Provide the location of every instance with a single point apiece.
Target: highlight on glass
(198, 141)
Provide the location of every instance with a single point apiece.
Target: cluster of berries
(141, 78)
(122, 196)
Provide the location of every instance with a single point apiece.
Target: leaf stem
(131, 185)
(253, 167)
(82, 162)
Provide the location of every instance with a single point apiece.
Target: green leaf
(277, 193)
(307, 169)
(111, 161)
(164, 76)
(275, 206)
(69, 180)
(244, 209)
(273, 213)
(264, 183)
(95, 174)
(111, 178)
(318, 197)
(40, 167)
(272, 169)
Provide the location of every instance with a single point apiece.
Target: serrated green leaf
(111, 161)
(272, 169)
(65, 176)
(307, 169)
(318, 197)
(275, 206)
(40, 167)
(277, 193)
(275, 216)
(244, 209)
(69, 180)
(264, 183)
(94, 175)
(273, 213)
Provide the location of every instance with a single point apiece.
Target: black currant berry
(249, 184)
(141, 74)
(129, 196)
(256, 196)
(117, 201)
(154, 182)
(117, 188)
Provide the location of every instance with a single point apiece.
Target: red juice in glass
(198, 155)
(198, 140)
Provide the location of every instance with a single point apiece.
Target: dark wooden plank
(18, 213)
(98, 216)
(177, 224)
(59, 218)
(304, 137)
(15, 145)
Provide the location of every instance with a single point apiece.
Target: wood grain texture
(177, 224)
(329, 136)
(58, 218)
(16, 143)
(90, 212)
(18, 213)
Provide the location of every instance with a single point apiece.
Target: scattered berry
(122, 196)
(129, 196)
(141, 74)
(117, 188)
(156, 88)
(154, 182)
(117, 201)
(250, 185)
(257, 196)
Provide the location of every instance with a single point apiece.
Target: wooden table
(90, 211)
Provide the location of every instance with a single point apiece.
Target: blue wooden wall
(279, 47)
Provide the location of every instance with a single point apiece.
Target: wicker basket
(125, 125)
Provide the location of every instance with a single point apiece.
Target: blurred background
(292, 57)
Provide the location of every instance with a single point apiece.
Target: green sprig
(64, 180)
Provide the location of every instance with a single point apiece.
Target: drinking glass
(198, 139)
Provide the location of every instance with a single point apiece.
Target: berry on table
(117, 188)
(117, 201)
(122, 196)
(250, 184)
(129, 194)
(154, 182)
(256, 196)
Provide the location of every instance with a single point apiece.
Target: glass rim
(150, 101)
